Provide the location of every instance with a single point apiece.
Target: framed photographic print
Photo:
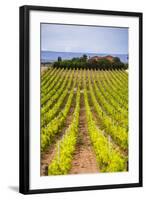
(80, 99)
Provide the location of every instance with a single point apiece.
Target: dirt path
(84, 160)
(49, 154)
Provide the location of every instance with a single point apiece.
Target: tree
(59, 59)
(84, 58)
(116, 60)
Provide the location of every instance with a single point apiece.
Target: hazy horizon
(84, 52)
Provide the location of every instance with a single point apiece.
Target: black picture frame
(25, 106)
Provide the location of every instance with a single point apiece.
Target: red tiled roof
(110, 58)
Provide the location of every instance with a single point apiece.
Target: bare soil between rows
(48, 155)
(84, 160)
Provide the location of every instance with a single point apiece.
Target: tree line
(85, 63)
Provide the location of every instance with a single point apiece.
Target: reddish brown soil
(101, 127)
(84, 160)
(49, 154)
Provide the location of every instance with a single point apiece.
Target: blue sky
(90, 39)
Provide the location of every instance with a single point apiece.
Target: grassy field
(84, 121)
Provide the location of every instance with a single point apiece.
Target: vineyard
(84, 121)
